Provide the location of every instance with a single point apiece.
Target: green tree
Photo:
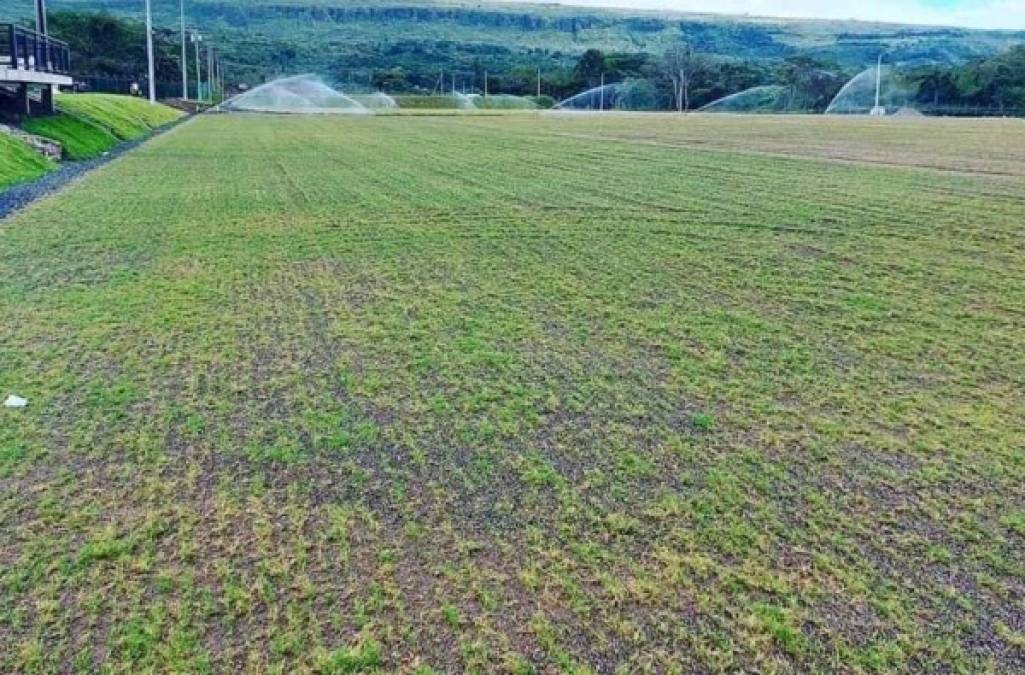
(393, 79)
(812, 84)
(590, 67)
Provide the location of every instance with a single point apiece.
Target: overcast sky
(969, 13)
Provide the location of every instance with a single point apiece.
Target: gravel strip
(17, 197)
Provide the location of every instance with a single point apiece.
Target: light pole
(217, 75)
(209, 72)
(185, 64)
(149, 55)
(196, 39)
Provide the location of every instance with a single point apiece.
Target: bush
(543, 101)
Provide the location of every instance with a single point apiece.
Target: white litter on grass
(15, 402)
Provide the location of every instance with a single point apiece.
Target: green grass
(79, 139)
(126, 117)
(521, 393)
(19, 162)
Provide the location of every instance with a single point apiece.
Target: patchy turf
(19, 162)
(481, 393)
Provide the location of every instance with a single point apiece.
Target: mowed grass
(519, 394)
(79, 139)
(19, 162)
(126, 117)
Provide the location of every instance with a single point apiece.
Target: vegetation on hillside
(80, 139)
(588, 395)
(103, 44)
(703, 62)
(997, 83)
(19, 162)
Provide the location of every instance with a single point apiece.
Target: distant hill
(324, 30)
(366, 42)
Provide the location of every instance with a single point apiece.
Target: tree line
(682, 77)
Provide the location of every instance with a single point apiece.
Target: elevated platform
(20, 76)
(32, 65)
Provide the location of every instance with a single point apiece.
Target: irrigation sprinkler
(301, 94)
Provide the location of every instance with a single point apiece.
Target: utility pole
(601, 94)
(539, 83)
(41, 17)
(149, 55)
(209, 72)
(196, 39)
(185, 55)
(485, 84)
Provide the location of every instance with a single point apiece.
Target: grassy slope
(79, 139)
(472, 392)
(124, 116)
(19, 162)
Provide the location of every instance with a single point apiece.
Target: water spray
(302, 94)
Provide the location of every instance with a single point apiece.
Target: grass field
(520, 394)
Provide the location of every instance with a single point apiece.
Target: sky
(966, 13)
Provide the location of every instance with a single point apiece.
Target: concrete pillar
(46, 104)
(22, 103)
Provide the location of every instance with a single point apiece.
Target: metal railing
(24, 49)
